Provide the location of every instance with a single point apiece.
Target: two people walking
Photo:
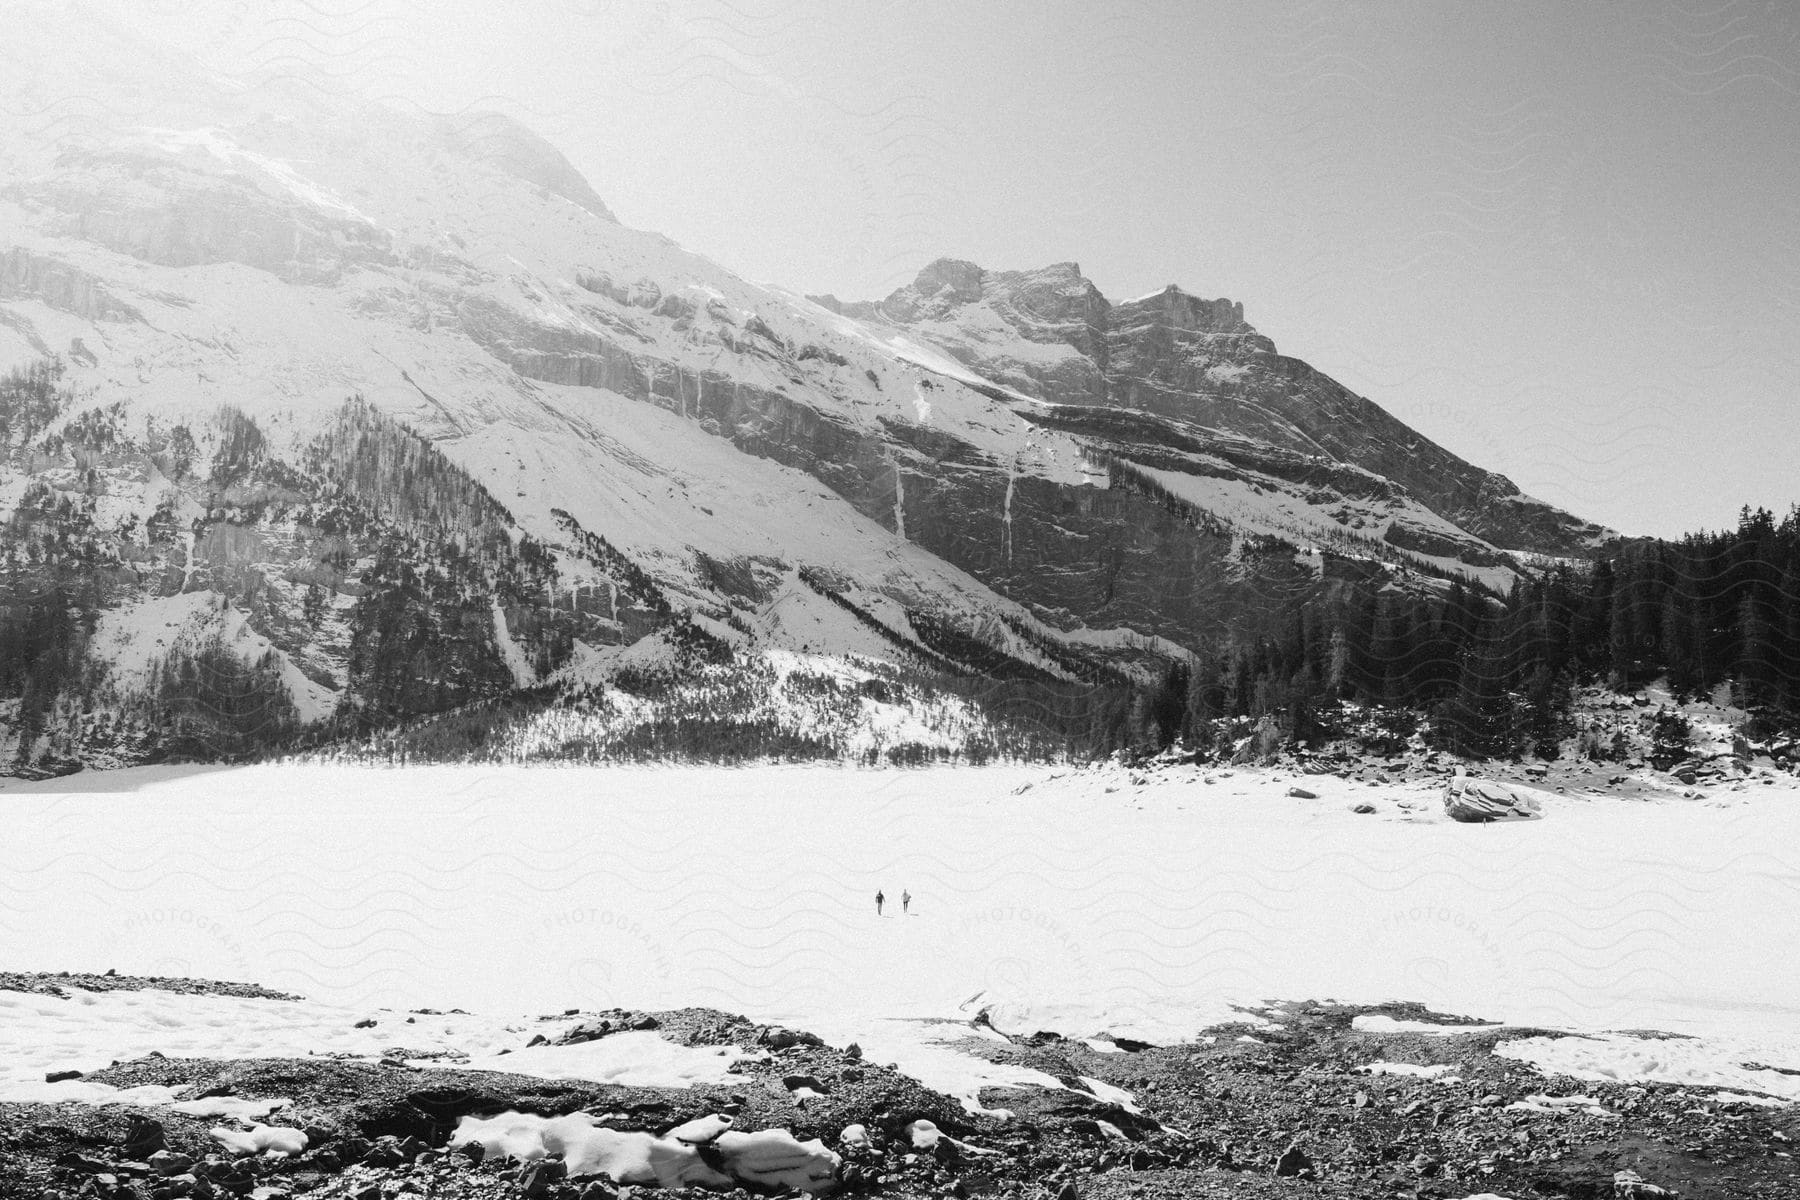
(905, 901)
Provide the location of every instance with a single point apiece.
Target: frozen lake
(1148, 907)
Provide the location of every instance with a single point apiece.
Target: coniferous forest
(1495, 675)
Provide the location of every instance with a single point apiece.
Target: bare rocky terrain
(1281, 1106)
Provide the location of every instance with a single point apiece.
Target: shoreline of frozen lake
(1083, 900)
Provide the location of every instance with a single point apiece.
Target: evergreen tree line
(1495, 675)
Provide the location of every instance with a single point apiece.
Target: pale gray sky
(1561, 239)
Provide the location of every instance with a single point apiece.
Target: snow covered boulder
(275, 1140)
(923, 1134)
(514, 1135)
(1479, 800)
(637, 1157)
(633, 1157)
(704, 1152)
(775, 1158)
(700, 1131)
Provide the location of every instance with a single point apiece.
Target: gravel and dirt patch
(1283, 1105)
(59, 983)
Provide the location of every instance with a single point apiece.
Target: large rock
(1294, 1162)
(1629, 1185)
(1480, 800)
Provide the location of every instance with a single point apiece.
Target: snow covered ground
(1143, 904)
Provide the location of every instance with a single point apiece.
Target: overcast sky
(1561, 239)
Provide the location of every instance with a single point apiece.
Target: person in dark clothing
(879, 901)
(905, 901)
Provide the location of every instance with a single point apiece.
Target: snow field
(633, 1059)
(1738, 1063)
(41, 1034)
(1148, 905)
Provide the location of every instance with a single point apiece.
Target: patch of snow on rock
(1434, 1071)
(633, 1059)
(1382, 1023)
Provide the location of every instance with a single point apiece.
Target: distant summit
(498, 140)
(1050, 334)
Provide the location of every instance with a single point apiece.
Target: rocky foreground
(1284, 1107)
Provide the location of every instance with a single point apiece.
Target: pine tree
(1678, 647)
(1168, 704)
(1787, 659)
(1756, 661)
(1479, 720)
(1622, 649)
(1545, 705)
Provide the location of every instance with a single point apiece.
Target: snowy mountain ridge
(247, 325)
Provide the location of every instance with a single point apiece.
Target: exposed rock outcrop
(1199, 361)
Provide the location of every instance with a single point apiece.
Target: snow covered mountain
(1192, 389)
(326, 416)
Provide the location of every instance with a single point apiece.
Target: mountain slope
(296, 353)
(1050, 334)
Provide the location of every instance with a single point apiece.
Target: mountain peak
(503, 143)
(966, 279)
(1184, 310)
(953, 278)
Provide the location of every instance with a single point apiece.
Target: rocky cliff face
(994, 463)
(1051, 335)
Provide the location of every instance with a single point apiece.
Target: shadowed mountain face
(986, 467)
